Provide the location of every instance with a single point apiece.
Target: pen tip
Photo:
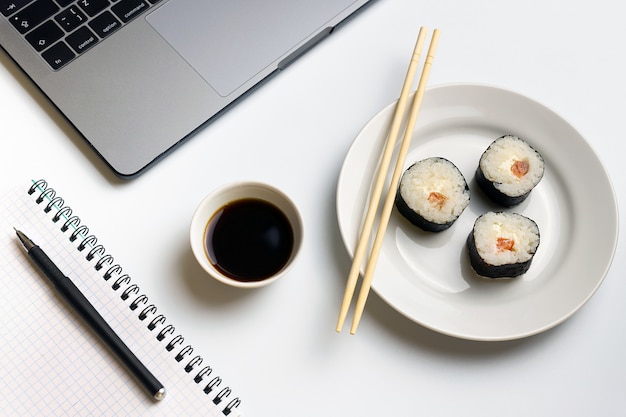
(28, 244)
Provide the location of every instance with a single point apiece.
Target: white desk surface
(279, 344)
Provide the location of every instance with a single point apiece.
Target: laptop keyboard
(61, 30)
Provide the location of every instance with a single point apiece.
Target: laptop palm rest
(233, 42)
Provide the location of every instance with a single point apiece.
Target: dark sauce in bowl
(249, 240)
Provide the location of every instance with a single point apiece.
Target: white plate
(427, 277)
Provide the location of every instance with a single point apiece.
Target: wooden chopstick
(380, 179)
(389, 201)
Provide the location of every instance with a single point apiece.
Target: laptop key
(105, 24)
(32, 15)
(82, 39)
(58, 55)
(127, 10)
(8, 7)
(45, 35)
(70, 18)
(93, 7)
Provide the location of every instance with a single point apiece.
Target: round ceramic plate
(427, 277)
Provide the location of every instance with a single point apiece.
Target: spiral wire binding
(129, 291)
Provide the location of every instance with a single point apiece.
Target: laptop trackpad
(229, 42)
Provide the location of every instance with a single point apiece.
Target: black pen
(74, 297)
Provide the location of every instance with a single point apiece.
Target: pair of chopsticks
(380, 180)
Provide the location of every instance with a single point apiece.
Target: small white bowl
(229, 193)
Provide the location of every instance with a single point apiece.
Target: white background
(278, 344)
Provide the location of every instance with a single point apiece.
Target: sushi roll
(508, 170)
(502, 245)
(432, 194)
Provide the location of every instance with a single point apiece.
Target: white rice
(491, 226)
(497, 160)
(435, 175)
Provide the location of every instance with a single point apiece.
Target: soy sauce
(249, 240)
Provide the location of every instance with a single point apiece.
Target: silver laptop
(138, 77)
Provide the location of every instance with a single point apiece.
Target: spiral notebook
(52, 363)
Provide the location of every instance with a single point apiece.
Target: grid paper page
(52, 362)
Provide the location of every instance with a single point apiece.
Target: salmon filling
(437, 199)
(505, 244)
(520, 168)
